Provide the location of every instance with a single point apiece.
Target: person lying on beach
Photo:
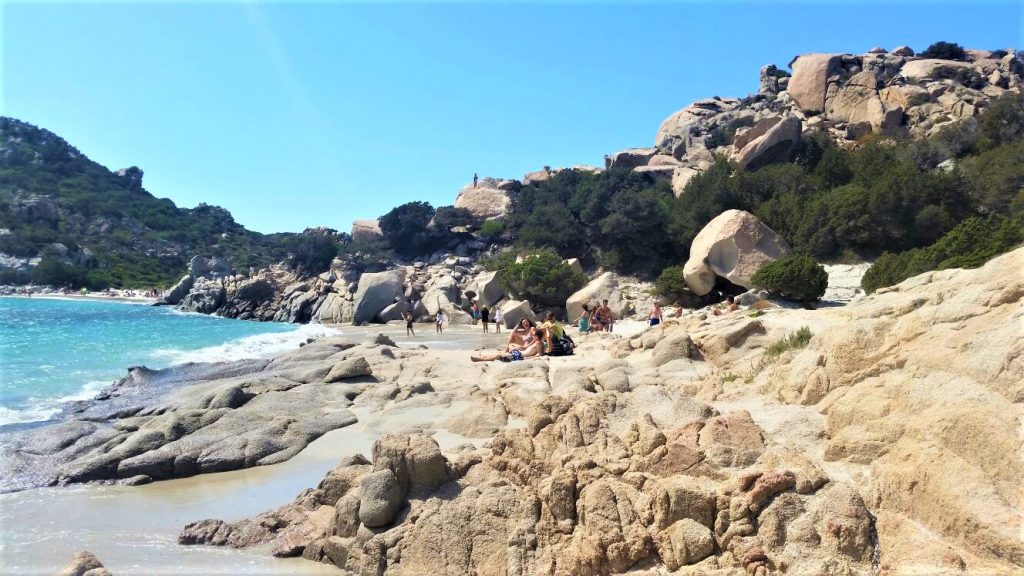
(512, 356)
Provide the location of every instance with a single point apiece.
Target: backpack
(563, 346)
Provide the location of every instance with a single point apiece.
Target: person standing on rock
(485, 314)
(407, 315)
(499, 319)
(655, 317)
(604, 316)
(439, 322)
(474, 180)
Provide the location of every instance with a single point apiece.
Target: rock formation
(488, 198)
(366, 230)
(84, 563)
(733, 246)
(604, 287)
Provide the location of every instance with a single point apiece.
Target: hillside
(90, 226)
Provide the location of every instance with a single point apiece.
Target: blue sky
(296, 115)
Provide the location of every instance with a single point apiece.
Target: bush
(1003, 121)
(969, 245)
(795, 276)
(944, 51)
(448, 217)
(671, 285)
(542, 278)
(794, 341)
(492, 229)
(313, 252)
(406, 228)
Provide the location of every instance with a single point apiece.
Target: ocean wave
(256, 346)
(42, 409)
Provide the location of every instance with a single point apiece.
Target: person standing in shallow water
(439, 322)
(408, 323)
(485, 314)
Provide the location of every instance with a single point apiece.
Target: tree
(448, 217)
(542, 278)
(944, 51)
(794, 276)
(671, 284)
(406, 228)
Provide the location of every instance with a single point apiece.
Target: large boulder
(604, 287)
(211, 268)
(178, 291)
(630, 158)
(516, 310)
(485, 199)
(380, 498)
(377, 290)
(809, 84)
(486, 289)
(770, 140)
(932, 69)
(366, 230)
(733, 246)
(442, 293)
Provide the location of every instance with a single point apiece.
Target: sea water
(56, 350)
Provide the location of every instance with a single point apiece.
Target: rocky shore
(887, 444)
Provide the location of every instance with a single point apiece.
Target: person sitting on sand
(679, 309)
(584, 320)
(731, 306)
(530, 351)
(551, 329)
(519, 336)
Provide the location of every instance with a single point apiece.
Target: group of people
(528, 340)
(483, 315)
(596, 318)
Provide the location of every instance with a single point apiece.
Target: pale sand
(133, 530)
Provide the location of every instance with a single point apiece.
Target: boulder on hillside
(809, 84)
(734, 246)
(675, 135)
(516, 310)
(377, 290)
(604, 287)
(366, 230)
(538, 176)
(485, 200)
(770, 140)
(84, 563)
(681, 177)
(210, 268)
(903, 51)
(486, 289)
(932, 69)
(574, 263)
(630, 158)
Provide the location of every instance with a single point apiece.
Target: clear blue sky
(297, 115)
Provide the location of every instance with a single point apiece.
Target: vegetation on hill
(98, 228)
(885, 195)
(541, 277)
(795, 276)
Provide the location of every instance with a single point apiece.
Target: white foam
(257, 346)
(40, 409)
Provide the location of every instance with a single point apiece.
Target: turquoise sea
(57, 350)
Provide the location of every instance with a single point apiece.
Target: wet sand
(134, 530)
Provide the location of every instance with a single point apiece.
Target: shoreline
(92, 297)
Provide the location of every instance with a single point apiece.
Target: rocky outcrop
(84, 563)
(630, 158)
(604, 287)
(485, 289)
(809, 84)
(515, 310)
(485, 200)
(733, 246)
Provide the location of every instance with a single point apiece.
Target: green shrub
(969, 245)
(795, 276)
(944, 51)
(1003, 121)
(671, 285)
(794, 341)
(407, 228)
(492, 229)
(448, 217)
(542, 278)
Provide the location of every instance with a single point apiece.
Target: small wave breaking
(256, 346)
